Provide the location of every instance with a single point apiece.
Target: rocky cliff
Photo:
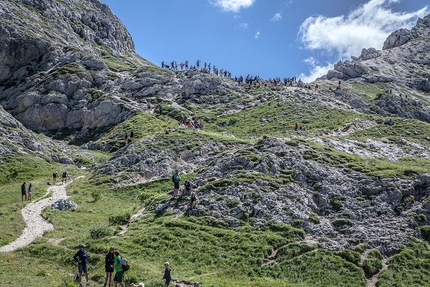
(404, 60)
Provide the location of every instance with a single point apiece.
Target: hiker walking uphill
(82, 258)
(64, 177)
(176, 179)
(54, 176)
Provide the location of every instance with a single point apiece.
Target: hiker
(30, 191)
(82, 258)
(296, 127)
(176, 179)
(160, 110)
(126, 138)
(118, 270)
(109, 262)
(23, 192)
(167, 275)
(148, 104)
(187, 187)
(54, 176)
(64, 177)
(198, 64)
(193, 201)
(131, 136)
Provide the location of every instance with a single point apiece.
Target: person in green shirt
(118, 270)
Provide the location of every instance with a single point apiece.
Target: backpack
(175, 178)
(124, 265)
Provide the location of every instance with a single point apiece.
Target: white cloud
(316, 70)
(277, 17)
(366, 26)
(242, 26)
(257, 35)
(232, 5)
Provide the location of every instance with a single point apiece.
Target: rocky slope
(404, 60)
(68, 69)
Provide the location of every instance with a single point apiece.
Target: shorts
(176, 184)
(168, 281)
(118, 276)
(82, 268)
(108, 269)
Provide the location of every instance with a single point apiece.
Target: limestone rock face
(347, 70)
(404, 56)
(397, 39)
(53, 59)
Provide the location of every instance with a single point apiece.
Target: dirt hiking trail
(36, 226)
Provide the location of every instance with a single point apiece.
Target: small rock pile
(63, 204)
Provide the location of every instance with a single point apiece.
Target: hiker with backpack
(176, 179)
(64, 177)
(82, 258)
(119, 271)
(54, 176)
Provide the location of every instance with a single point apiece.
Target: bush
(120, 219)
(350, 256)
(100, 232)
(425, 232)
(96, 194)
(375, 254)
(372, 266)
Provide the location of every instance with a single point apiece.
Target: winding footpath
(36, 225)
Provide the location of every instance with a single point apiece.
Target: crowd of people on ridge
(250, 81)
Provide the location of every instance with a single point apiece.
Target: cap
(83, 245)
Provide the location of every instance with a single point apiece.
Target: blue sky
(269, 38)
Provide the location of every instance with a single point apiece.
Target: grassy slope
(199, 249)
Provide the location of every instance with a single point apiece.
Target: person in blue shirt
(82, 258)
